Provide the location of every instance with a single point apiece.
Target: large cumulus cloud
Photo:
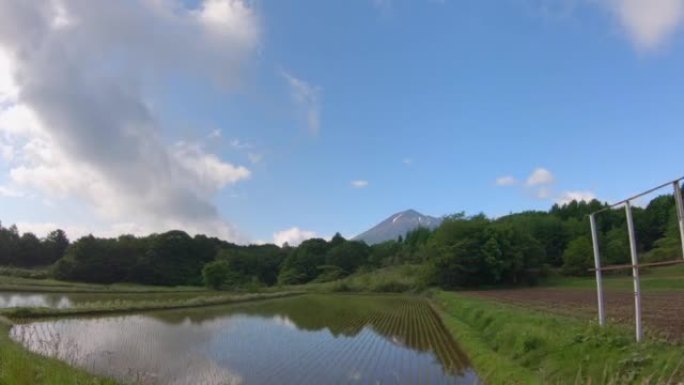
(78, 119)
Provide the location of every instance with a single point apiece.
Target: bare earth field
(662, 311)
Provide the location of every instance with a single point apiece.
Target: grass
(21, 367)
(509, 345)
(19, 284)
(123, 306)
(654, 279)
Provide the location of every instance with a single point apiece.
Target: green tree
(55, 245)
(348, 256)
(215, 274)
(302, 264)
(578, 256)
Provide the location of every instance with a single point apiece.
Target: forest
(464, 251)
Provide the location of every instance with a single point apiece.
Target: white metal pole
(597, 265)
(635, 271)
(680, 212)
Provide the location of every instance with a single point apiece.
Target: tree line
(464, 251)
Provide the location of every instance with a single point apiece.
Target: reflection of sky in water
(233, 349)
(34, 300)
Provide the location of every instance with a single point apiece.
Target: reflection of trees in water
(404, 321)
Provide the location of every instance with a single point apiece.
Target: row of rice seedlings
(311, 353)
(375, 351)
(364, 348)
(352, 352)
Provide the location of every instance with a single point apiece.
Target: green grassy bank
(114, 306)
(20, 284)
(510, 345)
(21, 367)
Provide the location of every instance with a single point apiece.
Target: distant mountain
(398, 225)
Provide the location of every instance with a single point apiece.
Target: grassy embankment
(511, 345)
(122, 306)
(21, 367)
(19, 284)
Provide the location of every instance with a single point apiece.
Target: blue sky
(333, 115)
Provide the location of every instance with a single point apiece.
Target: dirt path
(662, 313)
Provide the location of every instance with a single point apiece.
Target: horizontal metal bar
(638, 195)
(650, 264)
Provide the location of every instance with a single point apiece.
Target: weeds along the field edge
(510, 345)
(18, 366)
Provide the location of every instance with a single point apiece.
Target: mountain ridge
(396, 225)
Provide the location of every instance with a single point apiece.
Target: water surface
(293, 341)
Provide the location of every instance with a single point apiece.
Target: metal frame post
(597, 265)
(635, 271)
(680, 212)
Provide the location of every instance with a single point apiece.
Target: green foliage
(215, 274)
(348, 256)
(27, 250)
(578, 256)
(467, 252)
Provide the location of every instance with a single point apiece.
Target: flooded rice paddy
(312, 339)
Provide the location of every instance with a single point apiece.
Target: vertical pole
(635, 271)
(597, 265)
(680, 212)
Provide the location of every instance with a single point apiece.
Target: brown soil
(662, 313)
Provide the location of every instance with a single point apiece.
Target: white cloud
(649, 23)
(360, 183)
(506, 181)
(104, 144)
(570, 196)
(540, 176)
(292, 236)
(210, 172)
(308, 99)
(407, 161)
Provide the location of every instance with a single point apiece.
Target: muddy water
(294, 341)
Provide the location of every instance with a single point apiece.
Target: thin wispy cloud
(307, 97)
(359, 183)
(506, 181)
(254, 157)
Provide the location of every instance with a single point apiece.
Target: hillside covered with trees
(464, 251)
